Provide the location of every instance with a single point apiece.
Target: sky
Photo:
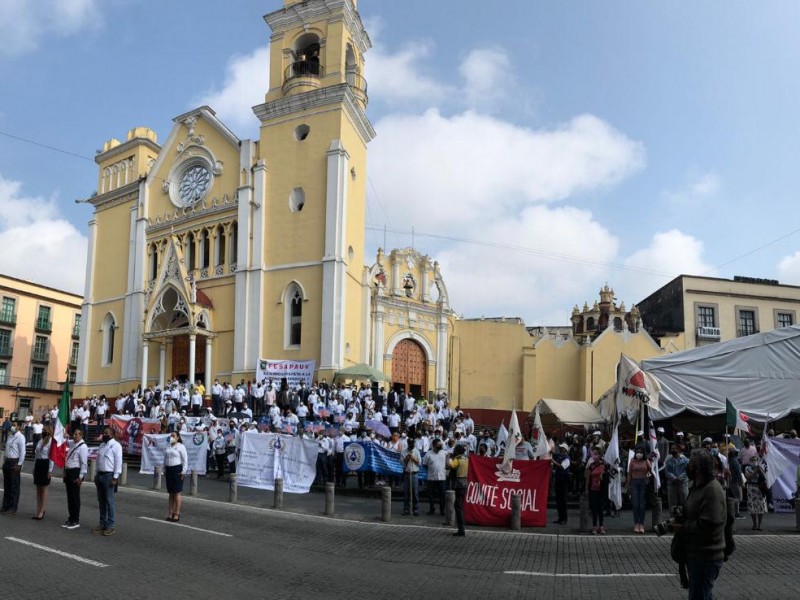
(538, 150)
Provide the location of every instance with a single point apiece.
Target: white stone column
(145, 350)
(162, 364)
(86, 307)
(395, 275)
(426, 270)
(441, 355)
(378, 339)
(192, 342)
(207, 382)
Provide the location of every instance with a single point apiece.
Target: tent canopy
(569, 412)
(360, 371)
(759, 374)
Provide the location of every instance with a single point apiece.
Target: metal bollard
(123, 478)
(193, 484)
(277, 495)
(583, 504)
(157, 478)
(330, 495)
(386, 504)
(233, 488)
(450, 507)
(92, 469)
(516, 512)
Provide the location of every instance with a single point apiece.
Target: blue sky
(538, 149)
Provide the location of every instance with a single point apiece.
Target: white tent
(759, 374)
(569, 412)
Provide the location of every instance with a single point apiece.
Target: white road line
(587, 575)
(186, 526)
(87, 561)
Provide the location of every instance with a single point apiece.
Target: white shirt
(410, 466)
(109, 458)
(78, 457)
(435, 463)
(15, 448)
(176, 455)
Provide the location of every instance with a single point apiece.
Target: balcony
(744, 332)
(8, 318)
(708, 333)
(40, 357)
(303, 74)
(76, 332)
(359, 86)
(6, 351)
(20, 384)
(73, 360)
(44, 325)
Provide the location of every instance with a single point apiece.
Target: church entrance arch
(410, 368)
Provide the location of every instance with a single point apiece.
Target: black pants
(562, 486)
(596, 505)
(461, 493)
(221, 460)
(10, 484)
(341, 476)
(73, 494)
(436, 492)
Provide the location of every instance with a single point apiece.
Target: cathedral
(208, 253)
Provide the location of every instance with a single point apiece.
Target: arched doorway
(180, 357)
(410, 368)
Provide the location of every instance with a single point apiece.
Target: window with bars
(73, 354)
(8, 311)
(705, 316)
(296, 320)
(40, 348)
(37, 378)
(5, 342)
(76, 327)
(785, 319)
(43, 319)
(3, 373)
(747, 322)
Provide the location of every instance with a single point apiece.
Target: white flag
(615, 476)
(542, 447)
(634, 388)
(653, 443)
(500, 440)
(514, 438)
(777, 463)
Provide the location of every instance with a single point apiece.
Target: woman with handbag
(756, 491)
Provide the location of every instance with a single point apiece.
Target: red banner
(488, 499)
(131, 430)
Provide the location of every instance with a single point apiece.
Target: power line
(753, 251)
(53, 148)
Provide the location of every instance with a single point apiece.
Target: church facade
(209, 252)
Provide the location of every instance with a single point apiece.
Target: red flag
(58, 447)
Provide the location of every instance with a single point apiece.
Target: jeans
(702, 575)
(596, 501)
(11, 481)
(410, 481)
(638, 494)
(107, 499)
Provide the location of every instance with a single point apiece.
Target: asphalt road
(221, 550)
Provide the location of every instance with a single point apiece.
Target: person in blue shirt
(677, 480)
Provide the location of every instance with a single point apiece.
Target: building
(693, 311)
(210, 252)
(39, 332)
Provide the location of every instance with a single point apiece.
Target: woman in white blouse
(176, 465)
(42, 469)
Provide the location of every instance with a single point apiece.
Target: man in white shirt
(12, 467)
(109, 468)
(197, 402)
(75, 469)
(410, 459)
(216, 398)
(435, 462)
(100, 412)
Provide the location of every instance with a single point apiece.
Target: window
(617, 324)
(8, 311)
(73, 375)
(5, 342)
(747, 322)
(705, 316)
(76, 327)
(37, 378)
(3, 373)
(153, 262)
(109, 326)
(190, 253)
(234, 242)
(43, 320)
(785, 319)
(206, 250)
(73, 354)
(590, 323)
(293, 316)
(219, 247)
(40, 348)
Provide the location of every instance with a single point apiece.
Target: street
(232, 550)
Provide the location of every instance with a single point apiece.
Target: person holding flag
(512, 441)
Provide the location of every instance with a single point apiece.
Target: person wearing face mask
(756, 491)
(677, 480)
(639, 473)
(176, 465)
(12, 467)
(435, 482)
(595, 472)
(109, 468)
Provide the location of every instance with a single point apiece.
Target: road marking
(186, 526)
(87, 561)
(587, 575)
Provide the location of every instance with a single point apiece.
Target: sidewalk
(365, 505)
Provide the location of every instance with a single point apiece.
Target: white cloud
(698, 188)
(399, 78)
(246, 82)
(447, 171)
(23, 23)
(789, 269)
(488, 76)
(38, 243)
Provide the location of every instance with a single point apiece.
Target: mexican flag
(58, 449)
(736, 419)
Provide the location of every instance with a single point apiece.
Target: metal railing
(357, 82)
(31, 383)
(44, 325)
(744, 332)
(76, 331)
(8, 318)
(73, 359)
(6, 351)
(42, 357)
(304, 68)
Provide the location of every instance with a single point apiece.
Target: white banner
(154, 446)
(782, 458)
(294, 371)
(263, 457)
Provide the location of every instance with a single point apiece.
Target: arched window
(234, 242)
(590, 324)
(190, 253)
(617, 324)
(293, 326)
(153, 262)
(219, 247)
(109, 327)
(206, 249)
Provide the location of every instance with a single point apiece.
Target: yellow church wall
(557, 373)
(105, 377)
(112, 245)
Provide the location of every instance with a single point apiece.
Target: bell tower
(309, 191)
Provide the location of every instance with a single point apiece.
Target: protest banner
(130, 430)
(369, 456)
(154, 447)
(295, 371)
(782, 459)
(263, 457)
(489, 491)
